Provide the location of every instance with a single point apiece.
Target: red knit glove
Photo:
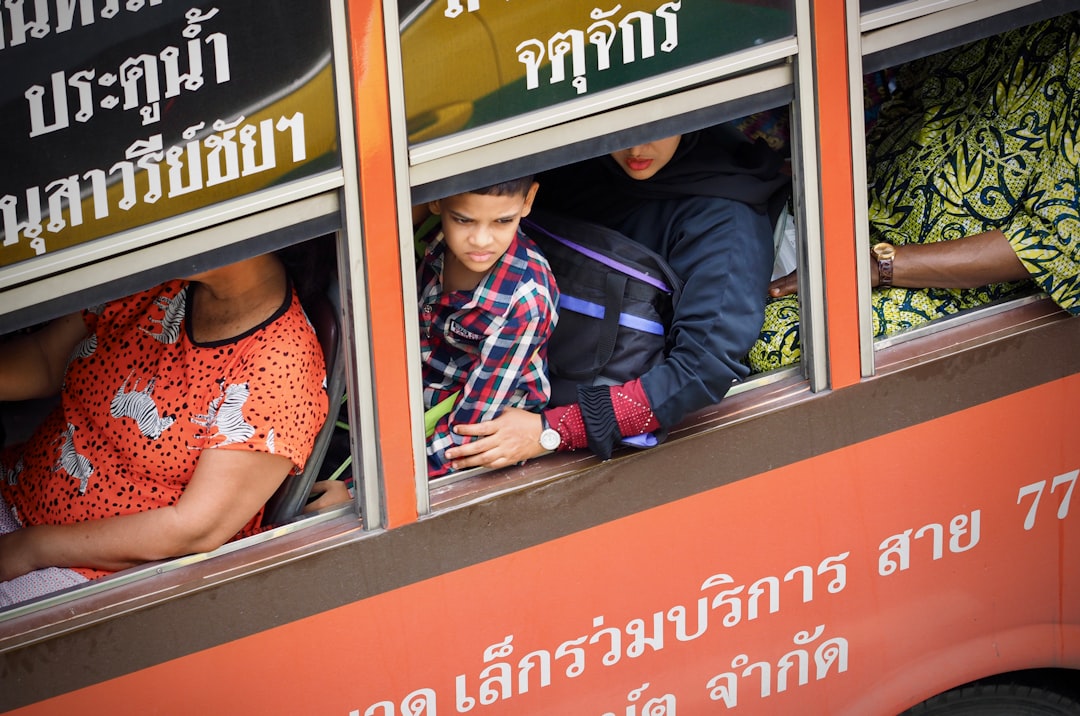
(632, 413)
(632, 410)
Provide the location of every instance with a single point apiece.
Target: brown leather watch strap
(884, 254)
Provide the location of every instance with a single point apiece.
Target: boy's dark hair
(506, 188)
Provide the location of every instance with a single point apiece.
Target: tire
(1000, 699)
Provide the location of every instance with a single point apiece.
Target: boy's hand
(507, 440)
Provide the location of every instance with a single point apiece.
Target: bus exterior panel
(894, 557)
(803, 547)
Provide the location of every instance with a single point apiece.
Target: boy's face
(478, 228)
(645, 160)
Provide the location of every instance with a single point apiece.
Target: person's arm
(514, 436)
(724, 253)
(32, 365)
(227, 488)
(327, 493)
(967, 262)
(787, 285)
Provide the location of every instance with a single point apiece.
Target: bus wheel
(1002, 699)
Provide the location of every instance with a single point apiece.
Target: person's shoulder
(291, 326)
(285, 352)
(529, 254)
(533, 265)
(701, 213)
(168, 298)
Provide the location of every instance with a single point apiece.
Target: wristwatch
(883, 254)
(549, 436)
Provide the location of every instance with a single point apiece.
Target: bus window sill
(132, 589)
(977, 328)
(760, 395)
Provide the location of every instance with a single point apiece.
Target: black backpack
(616, 299)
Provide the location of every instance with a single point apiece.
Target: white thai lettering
(143, 80)
(54, 17)
(636, 30)
(231, 150)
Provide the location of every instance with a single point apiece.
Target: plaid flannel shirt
(489, 343)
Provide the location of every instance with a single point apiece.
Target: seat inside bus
(288, 501)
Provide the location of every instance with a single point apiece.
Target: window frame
(105, 269)
(683, 100)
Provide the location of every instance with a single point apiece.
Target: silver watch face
(550, 439)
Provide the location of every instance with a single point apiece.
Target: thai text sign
(116, 114)
(470, 62)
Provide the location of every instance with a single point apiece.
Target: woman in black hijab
(702, 202)
(709, 163)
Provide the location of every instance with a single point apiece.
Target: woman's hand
(15, 559)
(330, 493)
(507, 440)
(784, 286)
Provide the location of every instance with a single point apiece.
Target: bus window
(712, 206)
(204, 369)
(959, 221)
(970, 211)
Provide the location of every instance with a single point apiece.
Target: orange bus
(885, 527)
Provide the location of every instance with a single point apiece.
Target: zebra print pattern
(140, 407)
(11, 475)
(172, 321)
(71, 462)
(225, 414)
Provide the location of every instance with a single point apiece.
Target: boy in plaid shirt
(487, 308)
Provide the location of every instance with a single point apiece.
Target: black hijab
(709, 162)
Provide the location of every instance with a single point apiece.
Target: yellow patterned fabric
(986, 136)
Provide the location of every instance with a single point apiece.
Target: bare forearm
(224, 494)
(112, 543)
(968, 262)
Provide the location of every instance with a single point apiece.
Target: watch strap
(884, 267)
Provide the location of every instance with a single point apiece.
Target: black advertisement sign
(117, 113)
